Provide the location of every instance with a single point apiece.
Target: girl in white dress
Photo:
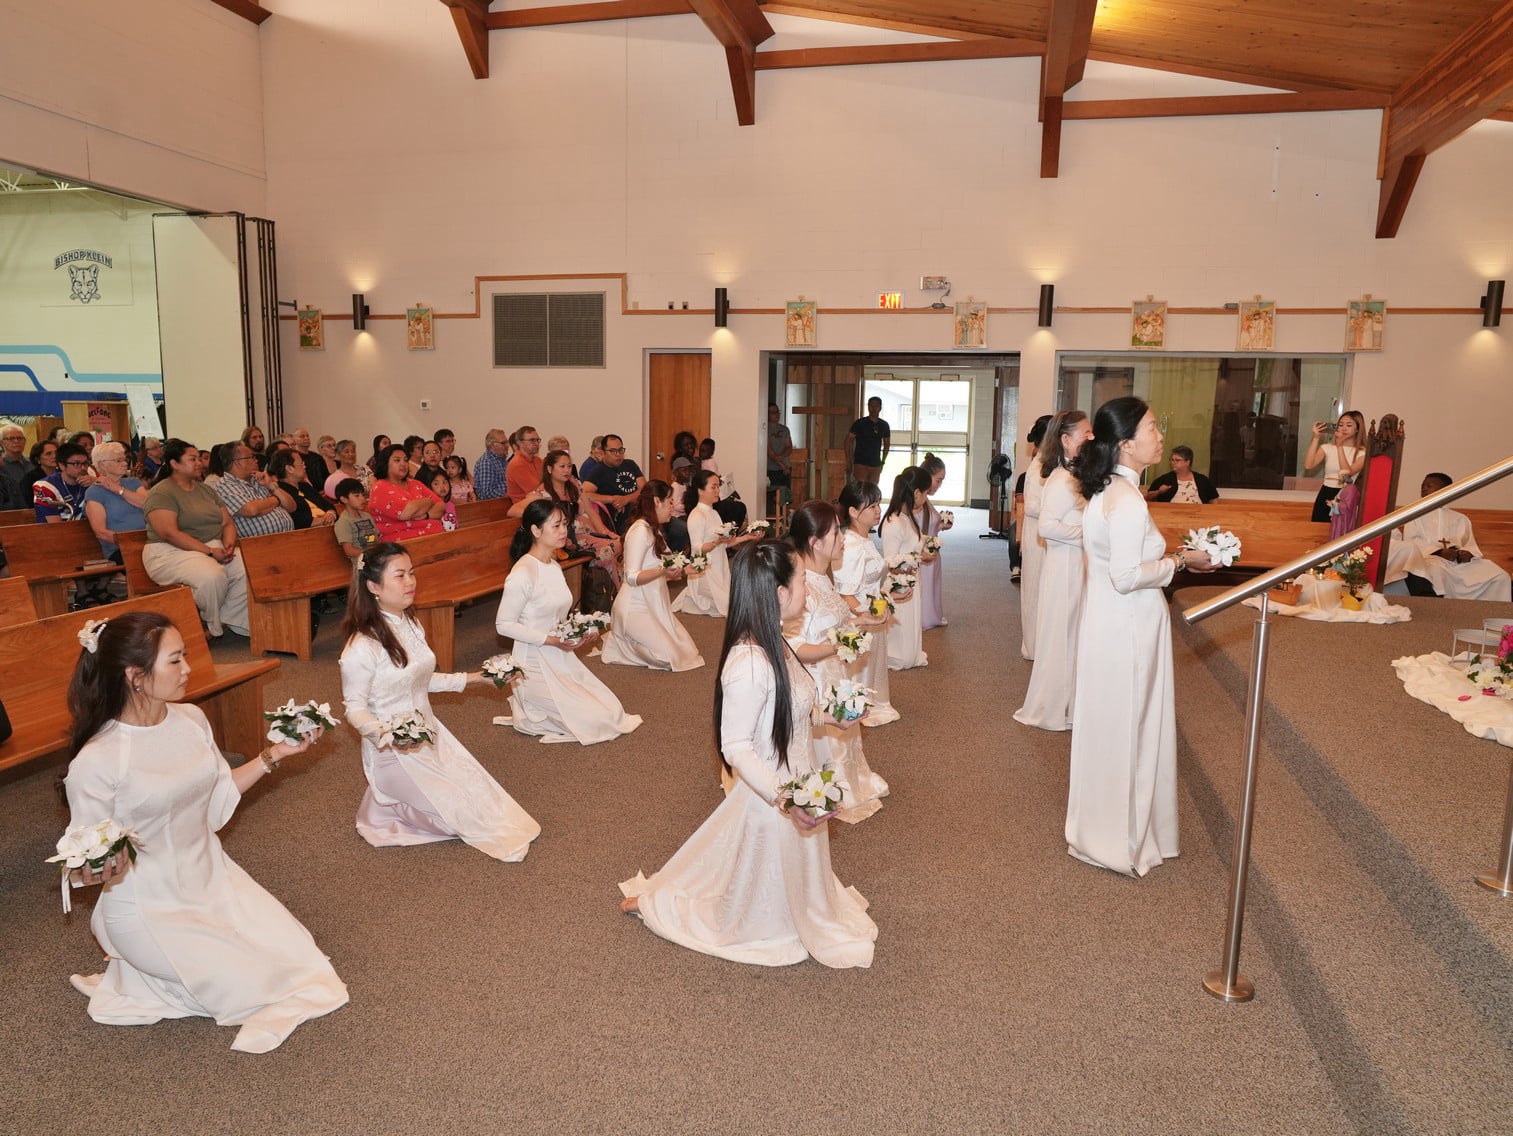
(644, 631)
(416, 794)
(1048, 701)
(187, 932)
(932, 523)
(557, 699)
(1031, 548)
(900, 536)
(754, 883)
(863, 574)
(708, 592)
(815, 533)
(1122, 803)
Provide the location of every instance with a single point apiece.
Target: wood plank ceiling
(1434, 67)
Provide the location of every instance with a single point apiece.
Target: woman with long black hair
(862, 575)
(931, 522)
(428, 792)
(754, 883)
(558, 699)
(1122, 803)
(644, 631)
(902, 537)
(187, 932)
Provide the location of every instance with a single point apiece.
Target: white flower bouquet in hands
(588, 621)
(674, 560)
(1221, 545)
(947, 517)
(846, 701)
(407, 729)
(758, 528)
(294, 724)
(501, 670)
(899, 582)
(816, 793)
(697, 562)
(930, 545)
(880, 604)
(90, 845)
(728, 528)
(851, 643)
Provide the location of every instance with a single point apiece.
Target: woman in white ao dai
(644, 631)
(901, 536)
(861, 575)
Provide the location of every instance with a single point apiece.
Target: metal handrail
(1227, 983)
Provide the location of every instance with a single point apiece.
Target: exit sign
(890, 300)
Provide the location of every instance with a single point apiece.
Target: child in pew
(355, 529)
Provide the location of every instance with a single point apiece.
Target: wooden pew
(16, 602)
(482, 512)
(38, 659)
(138, 582)
(1493, 529)
(17, 517)
(454, 568)
(52, 556)
(284, 572)
(1270, 532)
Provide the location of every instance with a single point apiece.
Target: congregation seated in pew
(1437, 555)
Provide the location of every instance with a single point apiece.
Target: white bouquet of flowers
(588, 621)
(697, 562)
(947, 518)
(758, 528)
(501, 670)
(880, 604)
(674, 560)
(816, 793)
(899, 582)
(291, 723)
(1221, 545)
(727, 529)
(851, 643)
(846, 701)
(91, 845)
(930, 545)
(407, 729)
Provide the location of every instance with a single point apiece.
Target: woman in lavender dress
(932, 522)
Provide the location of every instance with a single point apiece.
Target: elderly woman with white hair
(113, 504)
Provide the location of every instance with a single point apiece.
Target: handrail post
(1501, 880)
(1228, 984)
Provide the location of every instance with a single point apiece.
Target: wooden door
(678, 399)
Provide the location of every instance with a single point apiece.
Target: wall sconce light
(1047, 304)
(721, 307)
(359, 311)
(1491, 304)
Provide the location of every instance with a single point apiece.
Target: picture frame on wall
(799, 323)
(1148, 325)
(312, 330)
(971, 324)
(420, 329)
(1365, 324)
(1258, 325)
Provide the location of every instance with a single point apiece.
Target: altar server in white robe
(1122, 800)
(1440, 548)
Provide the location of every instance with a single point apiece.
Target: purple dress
(932, 613)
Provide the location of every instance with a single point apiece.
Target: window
(1248, 418)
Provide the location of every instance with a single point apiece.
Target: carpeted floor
(1014, 989)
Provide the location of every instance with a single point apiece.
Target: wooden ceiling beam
(1275, 80)
(1069, 35)
(897, 53)
(246, 9)
(1469, 80)
(470, 18)
(913, 27)
(739, 26)
(1202, 105)
(586, 13)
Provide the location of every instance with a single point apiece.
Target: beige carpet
(1014, 989)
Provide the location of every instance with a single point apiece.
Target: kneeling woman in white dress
(1058, 614)
(708, 592)
(558, 699)
(754, 883)
(437, 790)
(901, 537)
(187, 932)
(861, 576)
(815, 533)
(644, 632)
(1121, 809)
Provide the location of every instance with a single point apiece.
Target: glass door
(926, 413)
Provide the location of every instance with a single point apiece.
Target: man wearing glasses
(488, 470)
(617, 481)
(523, 475)
(253, 498)
(60, 497)
(14, 468)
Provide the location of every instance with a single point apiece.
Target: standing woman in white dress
(931, 523)
(708, 592)
(557, 699)
(187, 932)
(644, 632)
(861, 575)
(901, 536)
(754, 884)
(1048, 701)
(1031, 548)
(416, 794)
(815, 532)
(1121, 809)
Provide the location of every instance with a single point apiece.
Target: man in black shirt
(867, 443)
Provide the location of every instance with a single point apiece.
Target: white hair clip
(89, 635)
(362, 561)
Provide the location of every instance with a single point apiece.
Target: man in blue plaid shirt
(488, 470)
